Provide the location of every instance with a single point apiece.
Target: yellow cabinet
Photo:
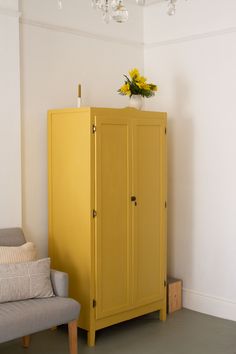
(107, 211)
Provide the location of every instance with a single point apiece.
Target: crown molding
(9, 13)
(91, 35)
(79, 33)
(193, 37)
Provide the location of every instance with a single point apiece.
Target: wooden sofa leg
(26, 341)
(72, 328)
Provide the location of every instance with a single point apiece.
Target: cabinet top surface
(99, 110)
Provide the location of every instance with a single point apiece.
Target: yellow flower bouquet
(137, 85)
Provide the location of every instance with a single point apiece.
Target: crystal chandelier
(116, 10)
(111, 10)
(171, 6)
(59, 4)
(141, 2)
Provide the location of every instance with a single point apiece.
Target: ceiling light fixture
(141, 2)
(171, 7)
(115, 9)
(59, 4)
(111, 10)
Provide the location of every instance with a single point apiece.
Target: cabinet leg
(91, 338)
(26, 341)
(162, 315)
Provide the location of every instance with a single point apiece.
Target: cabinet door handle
(133, 199)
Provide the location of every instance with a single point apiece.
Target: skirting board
(210, 305)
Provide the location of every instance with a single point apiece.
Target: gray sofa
(22, 318)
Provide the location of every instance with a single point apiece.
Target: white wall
(10, 153)
(192, 56)
(58, 51)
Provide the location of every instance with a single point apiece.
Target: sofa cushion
(21, 318)
(12, 237)
(22, 281)
(25, 253)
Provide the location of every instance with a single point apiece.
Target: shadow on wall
(180, 183)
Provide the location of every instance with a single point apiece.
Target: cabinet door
(112, 226)
(148, 214)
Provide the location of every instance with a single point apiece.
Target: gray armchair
(22, 318)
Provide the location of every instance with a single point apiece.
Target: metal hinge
(94, 303)
(165, 130)
(94, 213)
(165, 204)
(94, 128)
(165, 283)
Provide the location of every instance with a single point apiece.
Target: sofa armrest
(59, 283)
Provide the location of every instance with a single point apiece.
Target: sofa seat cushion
(21, 318)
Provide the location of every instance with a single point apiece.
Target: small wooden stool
(174, 294)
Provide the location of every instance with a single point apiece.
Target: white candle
(79, 97)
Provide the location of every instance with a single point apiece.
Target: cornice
(91, 35)
(80, 33)
(9, 12)
(189, 38)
